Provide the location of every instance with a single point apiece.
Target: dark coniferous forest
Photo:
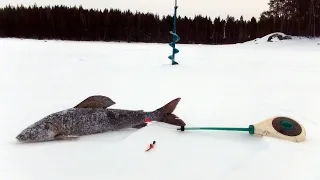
(293, 17)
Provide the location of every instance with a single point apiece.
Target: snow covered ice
(228, 85)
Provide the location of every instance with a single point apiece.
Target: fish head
(38, 132)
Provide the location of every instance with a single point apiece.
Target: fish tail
(167, 111)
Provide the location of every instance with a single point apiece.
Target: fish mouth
(21, 138)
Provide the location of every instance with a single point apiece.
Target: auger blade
(176, 38)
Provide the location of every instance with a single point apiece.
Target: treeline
(295, 17)
(76, 23)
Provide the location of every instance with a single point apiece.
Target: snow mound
(278, 36)
(273, 37)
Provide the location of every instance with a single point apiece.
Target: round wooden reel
(282, 128)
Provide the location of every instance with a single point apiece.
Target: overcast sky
(189, 8)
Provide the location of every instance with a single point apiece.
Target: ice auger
(176, 38)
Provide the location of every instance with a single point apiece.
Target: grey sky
(212, 8)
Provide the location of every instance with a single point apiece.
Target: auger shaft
(176, 38)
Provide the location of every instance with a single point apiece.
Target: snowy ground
(230, 85)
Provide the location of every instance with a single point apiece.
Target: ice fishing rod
(176, 38)
(277, 127)
(250, 129)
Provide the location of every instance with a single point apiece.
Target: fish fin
(170, 107)
(174, 120)
(139, 126)
(168, 116)
(96, 102)
(66, 137)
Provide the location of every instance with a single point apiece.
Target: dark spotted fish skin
(84, 120)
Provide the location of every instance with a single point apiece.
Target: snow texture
(229, 86)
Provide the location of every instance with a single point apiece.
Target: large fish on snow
(92, 116)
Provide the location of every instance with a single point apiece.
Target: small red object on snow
(151, 146)
(148, 120)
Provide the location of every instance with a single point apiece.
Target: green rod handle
(250, 129)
